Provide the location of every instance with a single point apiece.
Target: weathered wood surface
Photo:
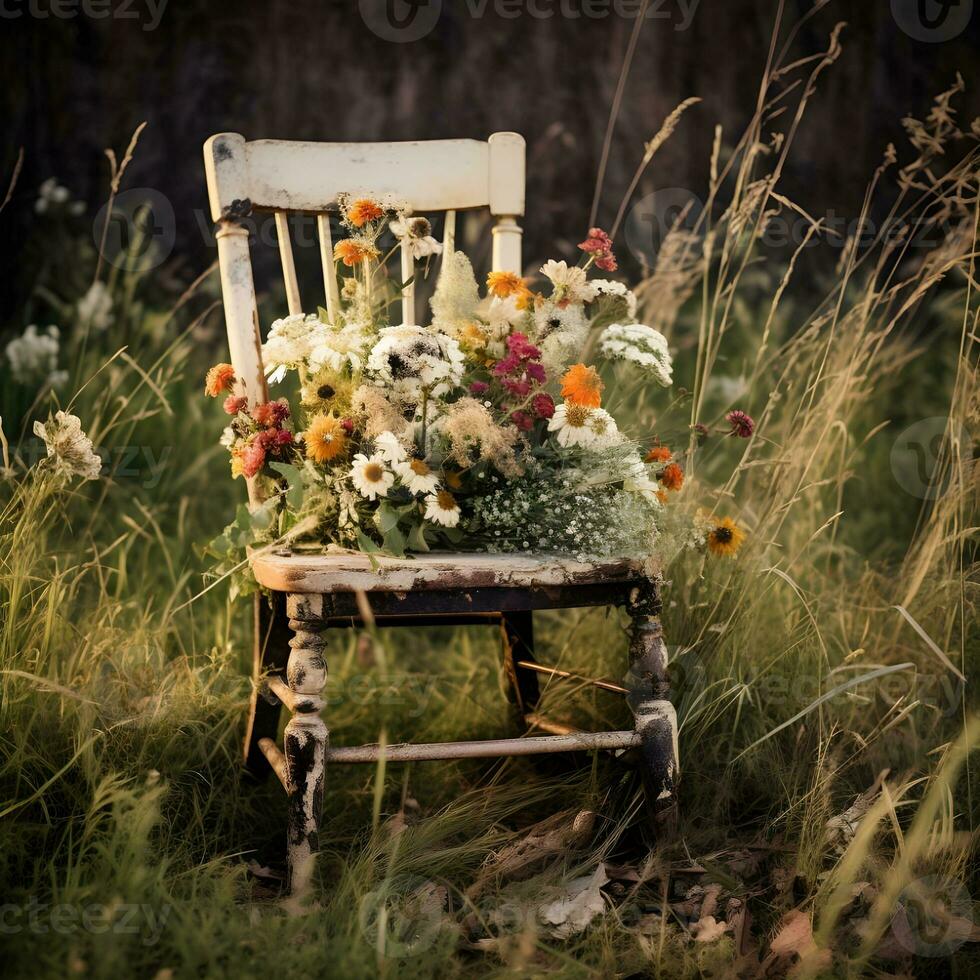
(295, 175)
(354, 572)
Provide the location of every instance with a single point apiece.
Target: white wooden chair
(320, 590)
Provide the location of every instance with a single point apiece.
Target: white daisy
(417, 476)
(369, 476)
(390, 447)
(571, 425)
(604, 429)
(441, 508)
(569, 282)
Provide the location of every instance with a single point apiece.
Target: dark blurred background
(79, 75)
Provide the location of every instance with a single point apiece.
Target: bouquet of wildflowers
(484, 430)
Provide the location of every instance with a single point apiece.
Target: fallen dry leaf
(708, 929)
(578, 906)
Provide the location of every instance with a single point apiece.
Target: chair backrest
(288, 176)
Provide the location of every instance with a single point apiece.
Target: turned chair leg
(270, 652)
(305, 739)
(517, 636)
(655, 720)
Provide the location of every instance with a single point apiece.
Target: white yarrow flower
(640, 345)
(441, 508)
(70, 451)
(370, 477)
(290, 341)
(33, 356)
(611, 287)
(95, 307)
(336, 349)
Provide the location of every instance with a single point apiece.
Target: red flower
(271, 414)
(522, 420)
(743, 425)
(479, 388)
(543, 405)
(599, 246)
(347, 425)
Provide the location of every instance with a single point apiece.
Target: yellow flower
(504, 284)
(725, 538)
(582, 385)
(325, 438)
(363, 210)
(352, 251)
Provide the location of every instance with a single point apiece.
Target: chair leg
(305, 739)
(517, 636)
(654, 717)
(270, 652)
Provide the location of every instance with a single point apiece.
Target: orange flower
(582, 385)
(325, 437)
(352, 251)
(725, 538)
(504, 284)
(362, 211)
(662, 496)
(671, 477)
(219, 380)
(659, 454)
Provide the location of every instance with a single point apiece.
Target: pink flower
(743, 425)
(607, 263)
(522, 420)
(518, 344)
(235, 404)
(347, 425)
(535, 372)
(479, 388)
(519, 389)
(253, 458)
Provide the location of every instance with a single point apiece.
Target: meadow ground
(828, 798)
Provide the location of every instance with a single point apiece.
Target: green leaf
(387, 518)
(323, 315)
(297, 485)
(395, 543)
(416, 538)
(366, 544)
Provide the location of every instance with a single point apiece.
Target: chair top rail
(428, 175)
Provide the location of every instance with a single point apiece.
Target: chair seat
(325, 572)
